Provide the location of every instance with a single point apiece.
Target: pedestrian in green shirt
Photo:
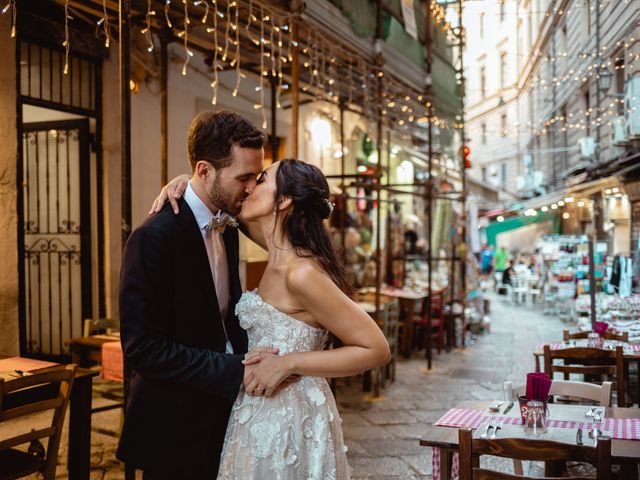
(501, 258)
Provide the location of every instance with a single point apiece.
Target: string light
(167, 7)
(263, 73)
(66, 44)
(104, 21)
(146, 31)
(281, 59)
(236, 59)
(251, 18)
(206, 8)
(14, 13)
(185, 36)
(226, 32)
(214, 83)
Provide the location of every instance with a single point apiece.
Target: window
(586, 18)
(503, 69)
(502, 10)
(564, 46)
(481, 24)
(503, 125)
(484, 174)
(529, 31)
(619, 82)
(483, 82)
(587, 106)
(484, 133)
(503, 175)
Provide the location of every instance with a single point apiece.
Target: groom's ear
(284, 203)
(204, 169)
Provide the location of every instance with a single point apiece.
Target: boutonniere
(233, 222)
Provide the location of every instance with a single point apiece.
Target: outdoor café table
(630, 351)
(623, 452)
(79, 413)
(408, 299)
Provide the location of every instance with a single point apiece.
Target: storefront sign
(409, 17)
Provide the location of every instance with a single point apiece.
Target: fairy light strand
(104, 22)
(226, 32)
(262, 71)
(214, 83)
(66, 44)
(185, 36)
(146, 31)
(167, 7)
(237, 56)
(14, 14)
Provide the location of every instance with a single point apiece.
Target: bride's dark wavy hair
(303, 222)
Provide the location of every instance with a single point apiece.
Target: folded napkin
(600, 328)
(538, 386)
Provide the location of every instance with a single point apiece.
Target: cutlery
(486, 430)
(495, 407)
(589, 413)
(496, 427)
(509, 407)
(579, 437)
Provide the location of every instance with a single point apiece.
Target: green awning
(493, 230)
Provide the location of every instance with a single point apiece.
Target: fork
(496, 426)
(489, 426)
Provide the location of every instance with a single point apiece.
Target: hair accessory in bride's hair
(330, 205)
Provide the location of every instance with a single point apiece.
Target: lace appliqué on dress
(296, 434)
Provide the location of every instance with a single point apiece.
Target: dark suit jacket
(182, 384)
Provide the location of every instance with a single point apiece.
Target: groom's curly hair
(212, 134)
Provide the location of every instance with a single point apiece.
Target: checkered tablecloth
(112, 362)
(618, 428)
(633, 347)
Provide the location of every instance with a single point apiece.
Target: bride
(294, 432)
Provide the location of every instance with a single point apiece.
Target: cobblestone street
(382, 436)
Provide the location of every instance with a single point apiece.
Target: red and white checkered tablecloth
(634, 347)
(618, 428)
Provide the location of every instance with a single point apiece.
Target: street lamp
(604, 79)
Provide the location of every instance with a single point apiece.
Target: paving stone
(388, 417)
(380, 466)
(421, 462)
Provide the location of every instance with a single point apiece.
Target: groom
(179, 285)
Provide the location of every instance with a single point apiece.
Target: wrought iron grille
(55, 221)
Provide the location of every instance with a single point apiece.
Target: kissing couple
(223, 382)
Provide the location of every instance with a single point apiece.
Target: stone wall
(9, 285)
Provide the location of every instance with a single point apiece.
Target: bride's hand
(172, 191)
(268, 375)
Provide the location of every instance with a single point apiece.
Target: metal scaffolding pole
(125, 117)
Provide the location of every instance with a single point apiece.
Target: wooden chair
(390, 326)
(567, 388)
(566, 336)
(590, 362)
(32, 394)
(528, 449)
(431, 323)
(95, 326)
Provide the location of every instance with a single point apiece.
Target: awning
(493, 230)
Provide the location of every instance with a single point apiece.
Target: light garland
(226, 32)
(206, 8)
(14, 13)
(104, 21)
(263, 73)
(236, 59)
(167, 7)
(66, 44)
(185, 36)
(214, 83)
(251, 18)
(146, 31)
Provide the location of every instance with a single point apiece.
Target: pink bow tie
(218, 222)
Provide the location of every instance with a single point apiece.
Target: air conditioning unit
(587, 146)
(632, 107)
(619, 131)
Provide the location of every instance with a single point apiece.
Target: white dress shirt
(203, 215)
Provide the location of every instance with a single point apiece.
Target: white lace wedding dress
(295, 434)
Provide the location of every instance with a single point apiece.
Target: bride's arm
(365, 347)
(173, 190)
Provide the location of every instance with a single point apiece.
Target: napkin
(600, 328)
(538, 386)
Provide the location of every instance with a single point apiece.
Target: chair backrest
(40, 392)
(94, 326)
(390, 323)
(583, 390)
(566, 335)
(528, 449)
(589, 361)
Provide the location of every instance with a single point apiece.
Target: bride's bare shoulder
(304, 273)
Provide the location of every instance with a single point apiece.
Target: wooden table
(79, 423)
(87, 351)
(623, 452)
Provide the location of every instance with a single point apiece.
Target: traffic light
(465, 154)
